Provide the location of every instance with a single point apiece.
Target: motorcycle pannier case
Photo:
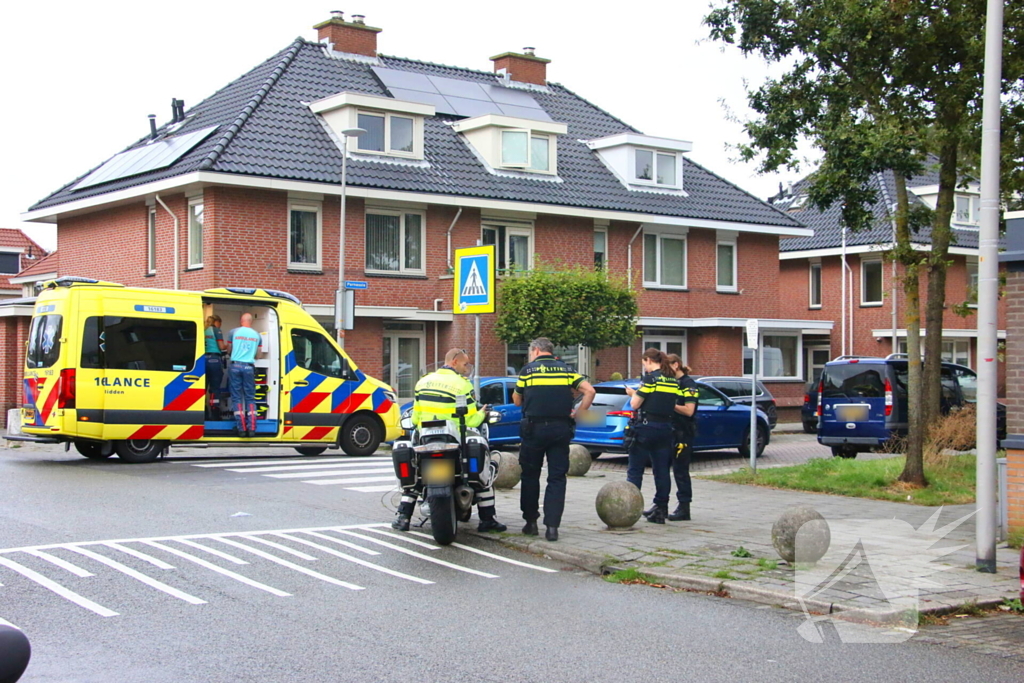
(405, 465)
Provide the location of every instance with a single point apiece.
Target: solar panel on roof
(151, 157)
(460, 97)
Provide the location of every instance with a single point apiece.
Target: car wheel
(810, 427)
(311, 450)
(360, 436)
(762, 440)
(139, 450)
(92, 450)
(844, 452)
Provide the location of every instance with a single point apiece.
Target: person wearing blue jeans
(656, 400)
(244, 343)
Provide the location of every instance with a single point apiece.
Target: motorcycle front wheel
(443, 524)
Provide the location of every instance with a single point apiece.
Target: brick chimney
(354, 37)
(526, 67)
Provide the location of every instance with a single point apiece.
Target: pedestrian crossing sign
(474, 280)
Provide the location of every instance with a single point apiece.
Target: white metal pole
(842, 269)
(476, 358)
(753, 410)
(988, 292)
(339, 303)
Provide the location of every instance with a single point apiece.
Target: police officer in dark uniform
(685, 426)
(545, 391)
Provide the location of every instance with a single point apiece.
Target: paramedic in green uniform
(244, 343)
(215, 348)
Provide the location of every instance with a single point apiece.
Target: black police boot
(647, 513)
(681, 513)
(659, 515)
(551, 534)
(401, 522)
(530, 528)
(489, 523)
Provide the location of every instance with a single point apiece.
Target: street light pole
(339, 295)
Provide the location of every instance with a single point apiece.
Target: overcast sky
(80, 78)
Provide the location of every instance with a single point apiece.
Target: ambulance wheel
(139, 450)
(360, 436)
(92, 450)
(311, 450)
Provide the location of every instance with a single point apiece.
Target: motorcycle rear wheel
(443, 524)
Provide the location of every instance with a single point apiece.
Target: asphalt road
(148, 573)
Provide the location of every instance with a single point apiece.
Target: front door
(403, 352)
(667, 344)
(817, 356)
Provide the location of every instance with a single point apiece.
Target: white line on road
(77, 571)
(486, 554)
(373, 489)
(58, 589)
(413, 553)
(291, 565)
(219, 553)
(347, 544)
(159, 564)
(257, 463)
(139, 576)
(405, 538)
(354, 480)
(278, 546)
(220, 570)
(332, 473)
(307, 465)
(4, 622)
(364, 563)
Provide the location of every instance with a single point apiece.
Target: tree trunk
(913, 470)
(936, 304)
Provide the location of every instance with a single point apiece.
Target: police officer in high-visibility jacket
(435, 399)
(545, 391)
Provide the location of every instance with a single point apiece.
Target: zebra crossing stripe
(159, 564)
(413, 553)
(282, 548)
(404, 537)
(332, 473)
(347, 544)
(364, 563)
(353, 480)
(487, 554)
(139, 576)
(318, 466)
(291, 565)
(60, 590)
(212, 567)
(77, 571)
(219, 553)
(257, 463)
(373, 489)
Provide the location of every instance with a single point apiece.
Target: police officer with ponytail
(655, 437)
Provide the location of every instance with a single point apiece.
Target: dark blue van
(862, 402)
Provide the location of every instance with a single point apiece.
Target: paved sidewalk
(698, 554)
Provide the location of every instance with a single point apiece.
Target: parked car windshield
(853, 380)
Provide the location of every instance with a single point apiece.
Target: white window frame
(604, 260)
(401, 213)
(863, 281)
(529, 165)
(730, 242)
(653, 182)
(656, 282)
(312, 207)
(192, 261)
(662, 340)
(973, 210)
(417, 127)
(972, 261)
(501, 148)
(814, 266)
(511, 229)
(798, 375)
(151, 241)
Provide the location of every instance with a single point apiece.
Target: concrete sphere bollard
(15, 653)
(619, 504)
(579, 460)
(509, 471)
(801, 534)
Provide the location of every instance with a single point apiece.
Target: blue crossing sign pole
(474, 292)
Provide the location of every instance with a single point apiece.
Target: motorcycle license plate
(440, 472)
(852, 412)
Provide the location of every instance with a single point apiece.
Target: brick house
(872, 320)
(17, 252)
(244, 189)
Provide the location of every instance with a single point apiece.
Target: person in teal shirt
(215, 347)
(244, 343)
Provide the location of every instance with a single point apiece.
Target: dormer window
(507, 142)
(394, 128)
(966, 210)
(642, 161)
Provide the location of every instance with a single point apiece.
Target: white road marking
(364, 563)
(219, 553)
(257, 463)
(404, 537)
(347, 544)
(373, 489)
(58, 589)
(4, 622)
(317, 466)
(332, 473)
(220, 570)
(484, 553)
(354, 480)
(159, 564)
(291, 565)
(278, 546)
(77, 571)
(139, 576)
(413, 553)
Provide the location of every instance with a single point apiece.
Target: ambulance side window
(314, 353)
(44, 340)
(118, 343)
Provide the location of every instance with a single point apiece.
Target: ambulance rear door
(48, 390)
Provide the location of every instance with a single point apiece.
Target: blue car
(497, 393)
(721, 422)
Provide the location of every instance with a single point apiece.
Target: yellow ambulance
(113, 369)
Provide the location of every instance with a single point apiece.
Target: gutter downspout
(175, 217)
(629, 270)
(450, 228)
(843, 268)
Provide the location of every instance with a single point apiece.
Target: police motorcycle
(447, 464)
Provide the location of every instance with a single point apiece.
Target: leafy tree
(573, 306)
(878, 86)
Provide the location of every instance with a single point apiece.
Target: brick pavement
(1000, 634)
